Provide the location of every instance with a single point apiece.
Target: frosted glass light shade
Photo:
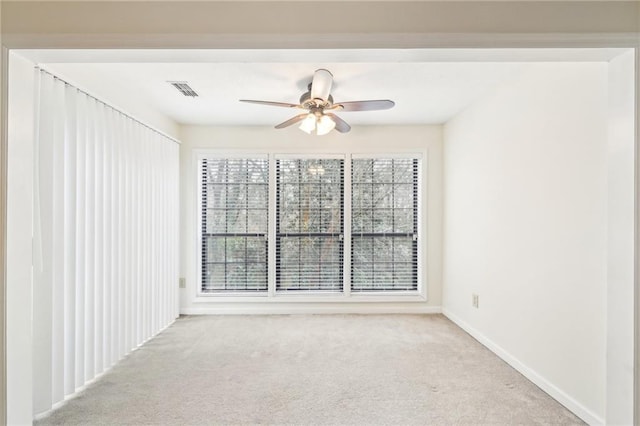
(325, 125)
(308, 125)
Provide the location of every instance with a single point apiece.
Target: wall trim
(4, 144)
(292, 309)
(320, 41)
(556, 393)
(636, 238)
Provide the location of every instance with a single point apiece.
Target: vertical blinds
(384, 224)
(105, 238)
(234, 224)
(309, 228)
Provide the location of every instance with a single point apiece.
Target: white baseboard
(556, 393)
(320, 308)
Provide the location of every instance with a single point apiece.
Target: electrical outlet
(475, 300)
(183, 283)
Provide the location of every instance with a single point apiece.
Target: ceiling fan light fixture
(318, 102)
(308, 125)
(325, 125)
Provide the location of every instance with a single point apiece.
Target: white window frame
(346, 296)
(272, 283)
(420, 234)
(199, 157)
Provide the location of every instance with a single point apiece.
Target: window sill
(310, 297)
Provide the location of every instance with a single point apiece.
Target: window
(286, 215)
(384, 224)
(234, 224)
(309, 225)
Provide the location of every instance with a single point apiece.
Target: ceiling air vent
(184, 88)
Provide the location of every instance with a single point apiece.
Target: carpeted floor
(312, 369)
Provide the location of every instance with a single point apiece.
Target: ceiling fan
(318, 102)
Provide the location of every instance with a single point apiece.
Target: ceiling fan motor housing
(307, 102)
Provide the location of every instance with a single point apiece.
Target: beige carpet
(312, 369)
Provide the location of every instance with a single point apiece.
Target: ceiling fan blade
(279, 104)
(341, 125)
(292, 121)
(321, 84)
(365, 105)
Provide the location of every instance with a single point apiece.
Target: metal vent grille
(184, 88)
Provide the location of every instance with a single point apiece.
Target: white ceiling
(428, 86)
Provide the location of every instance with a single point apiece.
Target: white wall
(19, 231)
(525, 203)
(292, 140)
(620, 259)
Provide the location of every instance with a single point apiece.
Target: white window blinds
(276, 225)
(384, 224)
(309, 228)
(234, 224)
(105, 238)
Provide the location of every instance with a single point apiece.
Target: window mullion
(226, 224)
(346, 231)
(272, 224)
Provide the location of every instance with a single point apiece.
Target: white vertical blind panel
(107, 240)
(70, 155)
(169, 157)
(135, 281)
(173, 158)
(81, 231)
(168, 245)
(142, 279)
(122, 239)
(58, 194)
(148, 247)
(125, 235)
(117, 349)
(129, 244)
(113, 255)
(156, 299)
(99, 239)
(43, 228)
(105, 236)
(90, 217)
